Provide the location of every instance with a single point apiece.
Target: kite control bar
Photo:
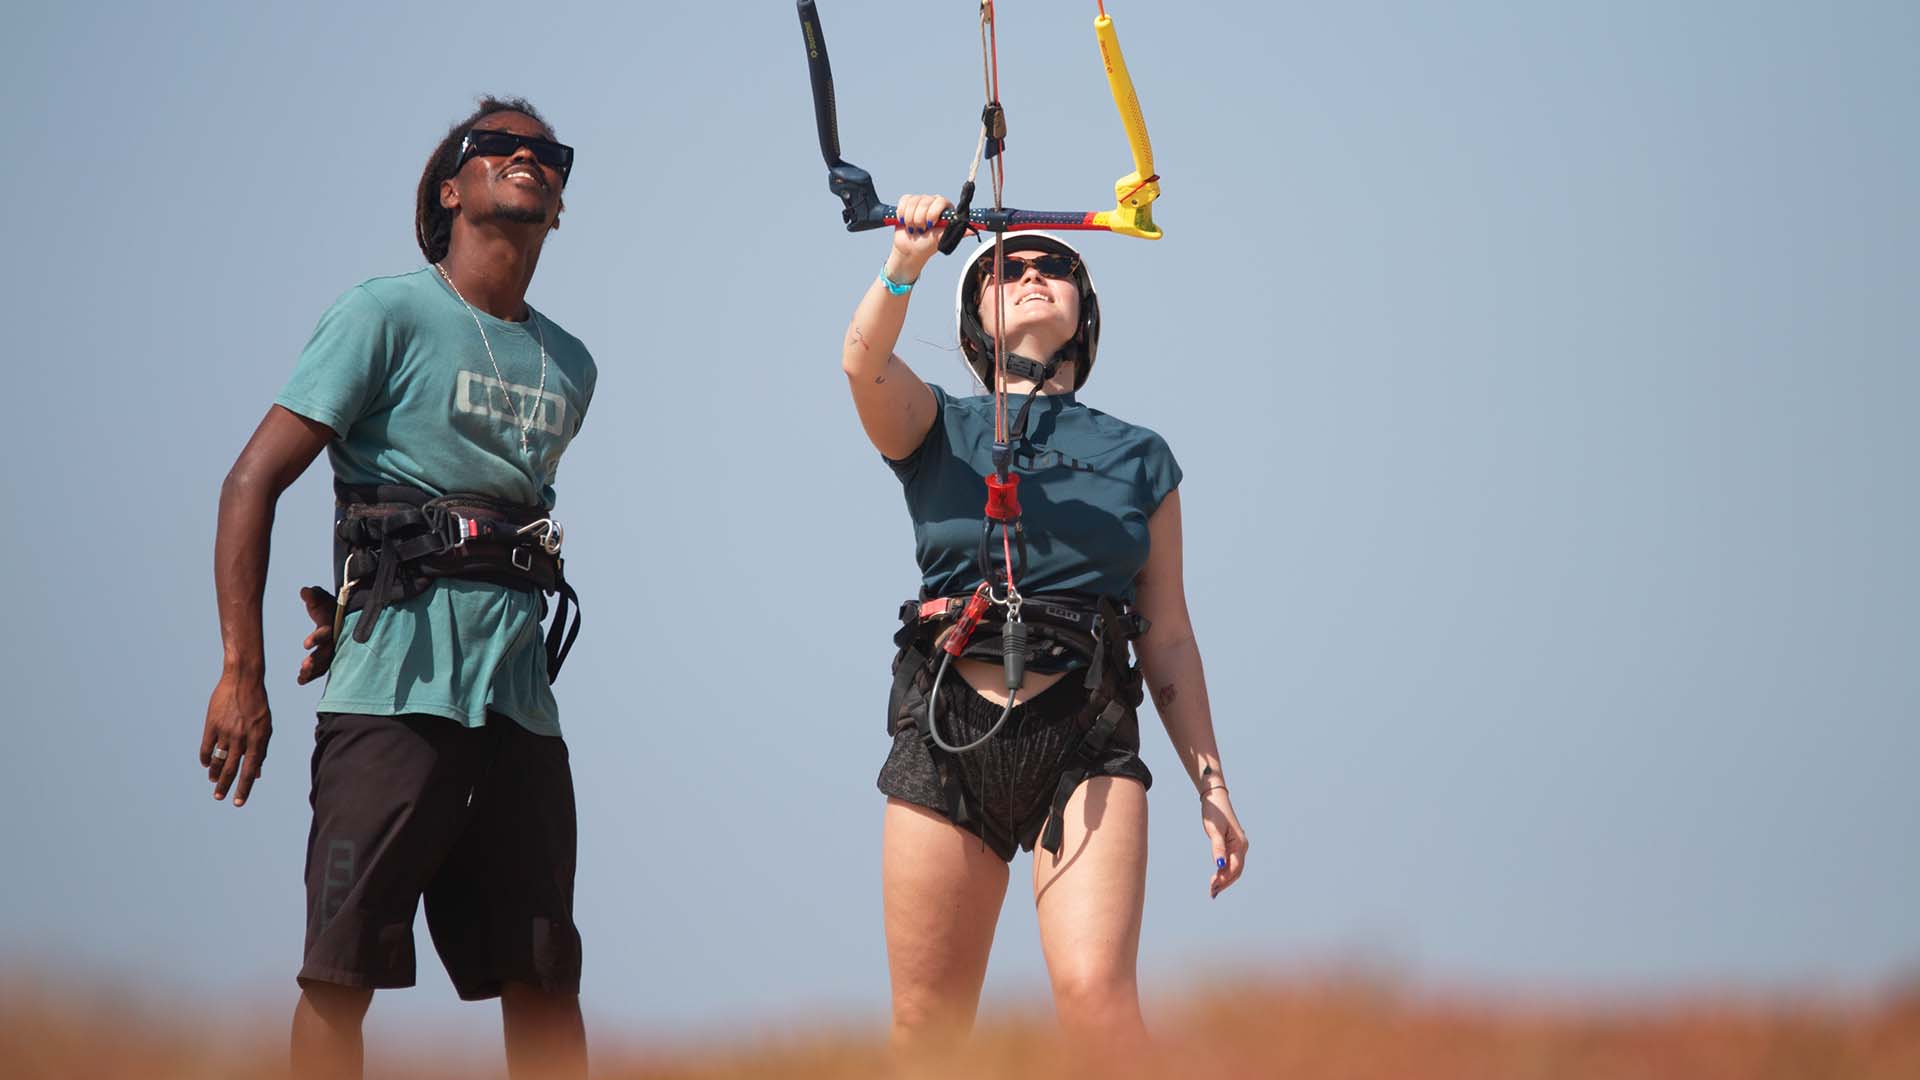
(862, 209)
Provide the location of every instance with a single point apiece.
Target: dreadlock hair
(433, 223)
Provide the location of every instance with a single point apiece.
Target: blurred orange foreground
(1331, 1030)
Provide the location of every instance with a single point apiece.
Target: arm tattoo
(861, 338)
(1165, 695)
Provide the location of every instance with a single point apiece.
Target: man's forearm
(240, 552)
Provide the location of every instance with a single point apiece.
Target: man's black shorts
(478, 820)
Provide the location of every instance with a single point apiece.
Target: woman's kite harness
(391, 542)
(1095, 630)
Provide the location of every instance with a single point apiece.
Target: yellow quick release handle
(1133, 193)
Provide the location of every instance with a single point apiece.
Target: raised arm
(238, 720)
(895, 407)
(1170, 660)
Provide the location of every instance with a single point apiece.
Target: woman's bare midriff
(989, 680)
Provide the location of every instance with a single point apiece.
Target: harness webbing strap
(559, 644)
(386, 569)
(1085, 615)
(1092, 745)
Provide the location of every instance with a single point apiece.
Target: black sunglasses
(1049, 264)
(490, 143)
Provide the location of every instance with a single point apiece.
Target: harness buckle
(551, 534)
(522, 558)
(340, 602)
(962, 629)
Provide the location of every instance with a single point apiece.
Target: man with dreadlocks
(445, 403)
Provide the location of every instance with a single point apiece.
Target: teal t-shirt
(1088, 484)
(397, 369)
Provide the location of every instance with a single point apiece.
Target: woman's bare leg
(1089, 902)
(942, 890)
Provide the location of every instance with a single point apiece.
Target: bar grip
(820, 70)
(1124, 97)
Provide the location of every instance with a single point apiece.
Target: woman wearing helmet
(977, 769)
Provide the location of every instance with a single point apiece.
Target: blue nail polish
(1219, 864)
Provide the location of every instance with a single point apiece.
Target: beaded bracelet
(894, 287)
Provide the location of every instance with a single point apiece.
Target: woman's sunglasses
(1049, 264)
(488, 143)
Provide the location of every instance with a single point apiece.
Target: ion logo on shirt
(485, 395)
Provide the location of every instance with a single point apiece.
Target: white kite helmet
(978, 345)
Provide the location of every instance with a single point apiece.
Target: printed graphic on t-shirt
(484, 395)
(1049, 459)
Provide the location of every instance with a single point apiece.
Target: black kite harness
(392, 541)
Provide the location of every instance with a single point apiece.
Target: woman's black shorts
(1008, 784)
(480, 821)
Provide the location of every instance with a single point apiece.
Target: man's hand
(233, 744)
(319, 644)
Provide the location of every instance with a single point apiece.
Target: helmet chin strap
(1040, 374)
(1018, 366)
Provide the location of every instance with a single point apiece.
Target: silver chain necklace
(539, 395)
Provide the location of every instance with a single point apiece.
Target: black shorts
(478, 820)
(1006, 786)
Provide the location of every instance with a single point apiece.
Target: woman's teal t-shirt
(1088, 484)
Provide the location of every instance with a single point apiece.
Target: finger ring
(219, 753)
